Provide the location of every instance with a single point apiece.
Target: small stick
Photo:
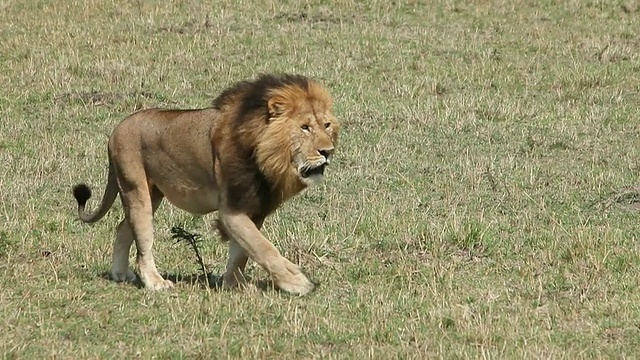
(179, 234)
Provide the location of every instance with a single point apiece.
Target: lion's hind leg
(120, 262)
(120, 271)
(138, 207)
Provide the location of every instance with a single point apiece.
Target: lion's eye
(305, 127)
(326, 125)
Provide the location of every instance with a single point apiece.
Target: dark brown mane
(246, 104)
(252, 96)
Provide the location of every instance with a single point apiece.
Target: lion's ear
(275, 106)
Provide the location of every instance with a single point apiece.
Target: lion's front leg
(234, 274)
(286, 275)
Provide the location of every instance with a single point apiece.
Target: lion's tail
(82, 193)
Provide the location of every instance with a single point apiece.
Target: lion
(260, 143)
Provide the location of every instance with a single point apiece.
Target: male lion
(261, 142)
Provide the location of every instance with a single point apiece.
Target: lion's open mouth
(308, 171)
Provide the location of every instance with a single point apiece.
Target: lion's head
(300, 136)
(286, 125)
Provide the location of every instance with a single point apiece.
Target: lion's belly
(199, 201)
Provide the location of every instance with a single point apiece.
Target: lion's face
(313, 137)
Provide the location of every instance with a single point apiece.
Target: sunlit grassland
(483, 200)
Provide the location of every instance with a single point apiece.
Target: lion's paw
(299, 286)
(124, 276)
(159, 285)
(233, 281)
(295, 283)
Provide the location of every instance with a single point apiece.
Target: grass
(483, 202)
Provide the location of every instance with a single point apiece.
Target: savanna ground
(483, 201)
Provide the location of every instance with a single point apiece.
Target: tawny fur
(261, 143)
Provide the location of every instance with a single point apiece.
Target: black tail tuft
(82, 193)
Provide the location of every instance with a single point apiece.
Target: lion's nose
(326, 152)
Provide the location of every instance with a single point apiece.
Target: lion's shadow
(210, 281)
